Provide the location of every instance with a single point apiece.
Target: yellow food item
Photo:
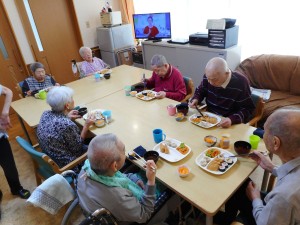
(209, 140)
(164, 148)
(104, 71)
(183, 170)
(214, 164)
(150, 94)
(211, 153)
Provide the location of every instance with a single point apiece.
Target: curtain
(127, 9)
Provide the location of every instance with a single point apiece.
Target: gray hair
(35, 66)
(217, 64)
(58, 97)
(285, 124)
(158, 60)
(102, 152)
(83, 49)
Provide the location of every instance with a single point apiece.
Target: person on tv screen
(151, 31)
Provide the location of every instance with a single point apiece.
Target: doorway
(53, 32)
(12, 66)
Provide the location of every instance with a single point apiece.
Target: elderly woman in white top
(91, 64)
(58, 136)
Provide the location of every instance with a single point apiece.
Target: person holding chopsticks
(101, 184)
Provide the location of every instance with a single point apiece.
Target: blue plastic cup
(97, 77)
(107, 114)
(158, 135)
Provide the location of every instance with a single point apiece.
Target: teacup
(171, 110)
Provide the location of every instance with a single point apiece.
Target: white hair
(58, 97)
(83, 49)
(158, 60)
(103, 151)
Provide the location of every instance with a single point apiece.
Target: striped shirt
(233, 102)
(31, 84)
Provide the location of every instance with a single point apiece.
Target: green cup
(127, 90)
(43, 94)
(254, 140)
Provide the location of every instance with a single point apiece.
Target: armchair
(189, 84)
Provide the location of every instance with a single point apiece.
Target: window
(265, 27)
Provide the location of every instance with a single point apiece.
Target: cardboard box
(223, 38)
(111, 19)
(125, 57)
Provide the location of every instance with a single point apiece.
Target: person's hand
(160, 94)
(57, 84)
(29, 93)
(5, 122)
(225, 122)
(193, 103)
(252, 192)
(141, 184)
(73, 114)
(262, 160)
(90, 119)
(150, 172)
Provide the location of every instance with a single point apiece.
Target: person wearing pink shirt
(166, 79)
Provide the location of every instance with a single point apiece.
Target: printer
(199, 39)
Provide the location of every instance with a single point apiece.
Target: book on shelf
(264, 93)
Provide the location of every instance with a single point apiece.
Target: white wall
(87, 12)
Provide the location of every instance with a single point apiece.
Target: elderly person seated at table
(58, 136)
(282, 204)
(101, 184)
(40, 80)
(91, 64)
(166, 79)
(227, 93)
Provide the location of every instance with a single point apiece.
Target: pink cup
(171, 110)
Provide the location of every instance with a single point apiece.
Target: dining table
(133, 121)
(86, 90)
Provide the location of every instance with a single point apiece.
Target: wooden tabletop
(86, 90)
(133, 121)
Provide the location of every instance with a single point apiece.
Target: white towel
(52, 194)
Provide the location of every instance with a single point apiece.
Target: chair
(19, 88)
(259, 109)
(189, 84)
(44, 166)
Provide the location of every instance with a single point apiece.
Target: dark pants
(8, 164)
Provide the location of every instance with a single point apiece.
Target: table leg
(24, 129)
(209, 220)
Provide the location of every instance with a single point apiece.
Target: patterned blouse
(33, 85)
(87, 68)
(59, 137)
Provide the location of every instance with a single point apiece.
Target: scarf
(117, 180)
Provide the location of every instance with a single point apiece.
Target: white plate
(203, 123)
(174, 155)
(224, 152)
(145, 98)
(108, 71)
(98, 117)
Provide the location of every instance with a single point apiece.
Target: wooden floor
(16, 211)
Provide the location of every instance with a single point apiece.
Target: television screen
(152, 25)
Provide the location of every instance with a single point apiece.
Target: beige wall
(87, 12)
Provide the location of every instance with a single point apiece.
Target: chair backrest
(190, 88)
(259, 109)
(19, 88)
(44, 168)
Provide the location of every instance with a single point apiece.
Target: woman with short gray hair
(91, 64)
(40, 80)
(58, 136)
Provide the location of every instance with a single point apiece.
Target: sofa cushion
(275, 72)
(278, 100)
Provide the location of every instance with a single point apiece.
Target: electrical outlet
(87, 24)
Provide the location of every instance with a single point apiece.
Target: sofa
(280, 74)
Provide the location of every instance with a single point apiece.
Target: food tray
(223, 152)
(141, 95)
(105, 71)
(174, 155)
(98, 114)
(203, 123)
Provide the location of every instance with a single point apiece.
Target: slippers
(23, 193)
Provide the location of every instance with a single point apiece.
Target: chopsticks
(199, 111)
(142, 160)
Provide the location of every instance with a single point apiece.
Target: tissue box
(111, 19)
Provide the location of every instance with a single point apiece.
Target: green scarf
(117, 180)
